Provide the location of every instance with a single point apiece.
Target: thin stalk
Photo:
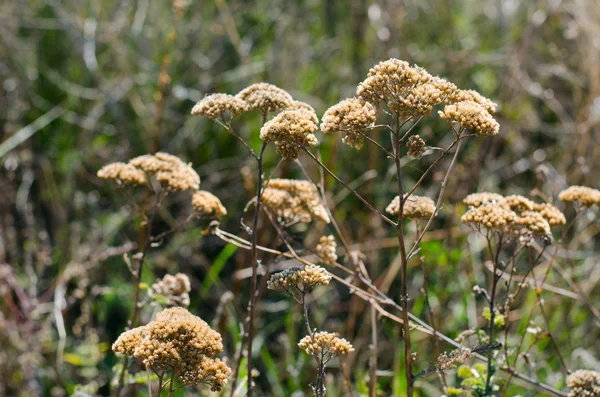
(373, 363)
(495, 278)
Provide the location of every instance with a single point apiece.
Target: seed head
(490, 216)
(207, 204)
(216, 105)
(416, 146)
(291, 130)
(266, 98)
(325, 345)
(471, 95)
(553, 215)
(302, 279)
(582, 194)
(294, 201)
(448, 361)
(175, 288)
(169, 170)
(471, 116)
(123, 173)
(326, 250)
(352, 117)
(584, 383)
(477, 199)
(415, 207)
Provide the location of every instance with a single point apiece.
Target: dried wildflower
(326, 249)
(181, 342)
(174, 288)
(351, 116)
(471, 95)
(416, 146)
(477, 199)
(414, 207)
(294, 200)
(266, 98)
(448, 361)
(325, 345)
(582, 194)
(220, 105)
(207, 204)
(472, 116)
(124, 173)
(584, 383)
(168, 170)
(519, 203)
(490, 216)
(553, 215)
(299, 105)
(301, 279)
(291, 130)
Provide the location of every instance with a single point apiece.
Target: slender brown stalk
(373, 361)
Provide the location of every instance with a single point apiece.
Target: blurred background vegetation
(86, 82)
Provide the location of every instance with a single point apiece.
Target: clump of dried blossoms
(265, 98)
(416, 146)
(291, 130)
(326, 250)
(448, 361)
(299, 279)
(471, 95)
(471, 116)
(174, 288)
(294, 201)
(415, 207)
(123, 173)
(180, 342)
(584, 383)
(207, 204)
(220, 105)
(325, 345)
(582, 194)
(351, 116)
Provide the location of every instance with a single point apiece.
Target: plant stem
(495, 278)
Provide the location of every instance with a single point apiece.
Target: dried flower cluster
(207, 204)
(300, 279)
(169, 170)
(471, 116)
(326, 249)
(294, 200)
(415, 207)
(351, 116)
(416, 146)
(181, 342)
(471, 95)
(174, 288)
(584, 383)
(513, 214)
(265, 98)
(405, 90)
(582, 194)
(448, 361)
(291, 130)
(325, 345)
(220, 105)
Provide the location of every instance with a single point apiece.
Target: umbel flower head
(448, 361)
(584, 383)
(299, 279)
(180, 342)
(325, 346)
(586, 196)
(266, 98)
(167, 169)
(326, 250)
(352, 117)
(405, 90)
(220, 105)
(415, 207)
(416, 146)
(291, 130)
(471, 116)
(174, 288)
(207, 204)
(471, 95)
(294, 201)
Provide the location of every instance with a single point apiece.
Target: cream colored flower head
(584, 383)
(415, 207)
(266, 98)
(471, 95)
(471, 116)
(352, 117)
(534, 222)
(169, 170)
(416, 146)
(179, 341)
(299, 279)
(584, 195)
(553, 215)
(489, 216)
(325, 345)
(290, 130)
(220, 105)
(174, 288)
(294, 201)
(326, 250)
(123, 173)
(477, 199)
(207, 204)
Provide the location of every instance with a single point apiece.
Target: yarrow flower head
(291, 130)
(169, 170)
(266, 98)
(448, 361)
(294, 201)
(415, 207)
(586, 196)
(326, 250)
(477, 199)
(472, 95)
(207, 204)
(490, 216)
(471, 116)
(584, 383)
(220, 105)
(174, 288)
(416, 146)
(181, 342)
(352, 117)
(123, 173)
(325, 345)
(299, 279)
